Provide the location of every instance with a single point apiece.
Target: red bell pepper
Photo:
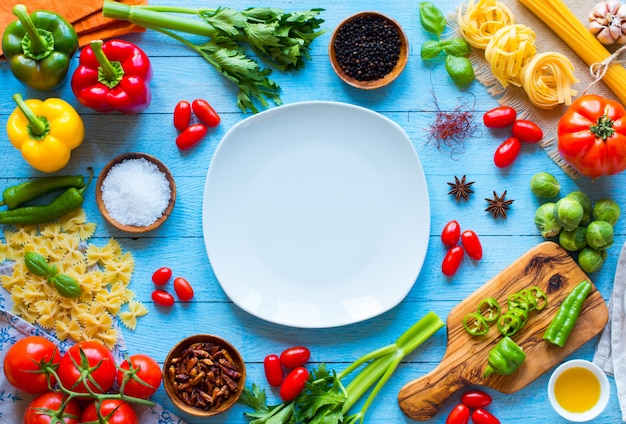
(113, 76)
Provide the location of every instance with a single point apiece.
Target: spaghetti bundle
(508, 51)
(482, 20)
(547, 79)
(556, 15)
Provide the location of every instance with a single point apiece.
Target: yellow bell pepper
(45, 132)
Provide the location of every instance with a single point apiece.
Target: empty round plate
(316, 214)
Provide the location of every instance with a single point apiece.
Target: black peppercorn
(367, 47)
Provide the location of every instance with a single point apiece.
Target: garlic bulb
(607, 22)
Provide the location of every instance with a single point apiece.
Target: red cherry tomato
(526, 131)
(116, 411)
(162, 298)
(472, 245)
(499, 117)
(161, 276)
(100, 362)
(144, 377)
(475, 399)
(191, 136)
(460, 414)
(295, 356)
(183, 289)
(205, 112)
(452, 260)
(273, 370)
(451, 233)
(23, 359)
(293, 384)
(507, 152)
(52, 402)
(182, 115)
(480, 416)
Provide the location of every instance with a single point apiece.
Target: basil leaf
(430, 49)
(456, 47)
(66, 285)
(460, 69)
(37, 264)
(432, 18)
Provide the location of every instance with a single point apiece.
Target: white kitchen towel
(610, 354)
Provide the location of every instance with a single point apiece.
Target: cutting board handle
(422, 398)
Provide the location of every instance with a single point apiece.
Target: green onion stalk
(280, 39)
(326, 399)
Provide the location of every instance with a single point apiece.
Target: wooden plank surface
(180, 74)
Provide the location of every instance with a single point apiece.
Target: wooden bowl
(231, 354)
(377, 83)
(133, 228)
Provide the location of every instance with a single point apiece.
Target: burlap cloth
(84, 15)
(516, 97)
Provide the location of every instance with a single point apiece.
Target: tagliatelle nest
(479, 21)
(508, 52)
(103, 274)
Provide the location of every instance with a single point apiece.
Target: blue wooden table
(181, 74)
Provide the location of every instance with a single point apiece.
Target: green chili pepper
(504, 358)
(475, 324)
(68, 201)
(490, 309)
(16, 195)
(563, 322)
(39, 47)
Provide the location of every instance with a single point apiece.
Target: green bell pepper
(505, 358)
(39, 47)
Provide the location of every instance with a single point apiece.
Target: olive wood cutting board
(547, 266)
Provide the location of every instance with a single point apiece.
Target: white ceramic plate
(316, 214)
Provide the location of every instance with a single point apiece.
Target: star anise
(497, 205)
(461, 188)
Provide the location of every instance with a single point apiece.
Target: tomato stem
(603, 128)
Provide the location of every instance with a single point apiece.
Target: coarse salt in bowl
(135, 192)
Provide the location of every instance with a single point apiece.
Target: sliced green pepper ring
(509, 324)
(475, 324)
(490, 309)
(522, 314)
(518, 300)
(532, 302)
(541, 300)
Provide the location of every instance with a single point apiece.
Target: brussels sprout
(606, 210)
(584, 200)
(599, 235)
(545, 220)
(543, 184)
(569, 213)
(591, 260)
(573, 240)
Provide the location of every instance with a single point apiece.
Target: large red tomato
(115, 411)
(143, 379)
(92, 356)
(23, 362)
(592, 136)
(44, 409)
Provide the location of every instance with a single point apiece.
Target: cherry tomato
(273, 370)
(499, 117)
(183, 289)
(507, 152)
(144, 377)
(526, 131)
(293, 384)
(480, 416)
(25, 357)
(182, 115)
(460, 414)
(475, 399)
(162, 298)
(472, 245)
(71, 367)
(452, 260)
(52, 402)
(116, 411)
(451, 233)
(295, 356)
(161, 276)
(205, 112)
(191, 136)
